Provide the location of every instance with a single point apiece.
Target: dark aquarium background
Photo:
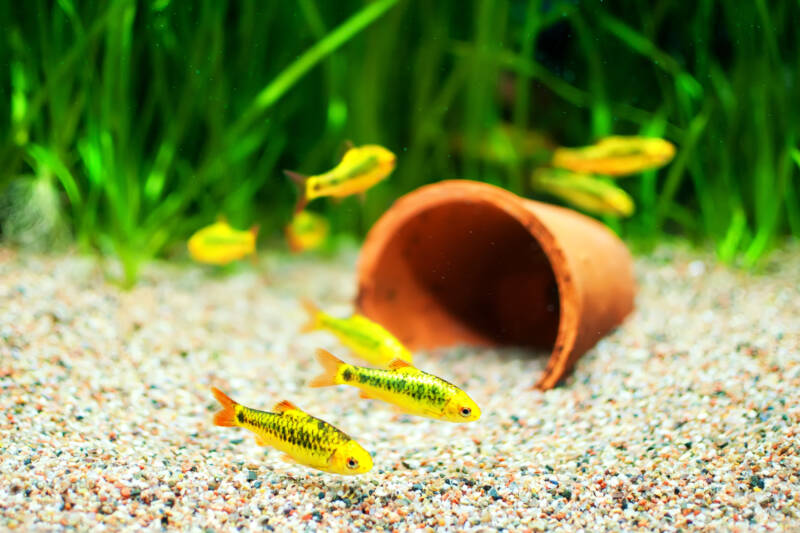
(125, 125)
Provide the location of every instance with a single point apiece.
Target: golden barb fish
(304, 439)
(360, 168)
(220, 244)
(584, 191)
(616, 156)
(369, 340)
(306, 231)
(412, 390)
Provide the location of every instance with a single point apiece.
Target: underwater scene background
(471, 357)
(125, 126)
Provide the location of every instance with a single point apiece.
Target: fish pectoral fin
(261, 441)
(289, 459)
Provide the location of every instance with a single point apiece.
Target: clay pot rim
(466, 191)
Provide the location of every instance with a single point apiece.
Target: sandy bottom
(685, 417)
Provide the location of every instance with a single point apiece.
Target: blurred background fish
(616, 156)
(584, 192)
(306, 231)
(360, 168)
(369, 340)
(221, 244)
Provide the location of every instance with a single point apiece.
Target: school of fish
(582, 176)
(360, 168)
(392, 378)
(302, 438)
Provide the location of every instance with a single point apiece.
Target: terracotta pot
(463, 262)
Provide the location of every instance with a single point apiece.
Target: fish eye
(465, 411)
(352, 464)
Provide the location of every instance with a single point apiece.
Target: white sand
(685, 417)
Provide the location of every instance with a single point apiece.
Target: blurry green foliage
(150, 118)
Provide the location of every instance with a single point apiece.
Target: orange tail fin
(299, 180)
(294, 246)
(313, 316)
(225, 417)
(330, 367)
(253, 253)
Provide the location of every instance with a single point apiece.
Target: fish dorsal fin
(285, 405)
(398, 364)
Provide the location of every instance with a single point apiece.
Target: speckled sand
(686, 416)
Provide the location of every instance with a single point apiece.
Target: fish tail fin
(313, 316)
(226, 416)
(300, 181)
(254, 232)
(330, 367)
(294, 246)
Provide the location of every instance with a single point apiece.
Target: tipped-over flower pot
(463, 262)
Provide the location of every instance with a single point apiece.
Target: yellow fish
(584, 191)
(304, 439)
(306, 231)
(360, 168)
(368, 339)
(220, 244)
(616, 156)
(412, 390)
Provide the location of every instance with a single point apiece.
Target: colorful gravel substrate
(686, 417)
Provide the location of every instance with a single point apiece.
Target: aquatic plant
(136, 110)
(152, 118)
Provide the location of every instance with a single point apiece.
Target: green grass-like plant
(144, 120)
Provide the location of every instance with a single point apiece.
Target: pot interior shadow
(466, 272)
